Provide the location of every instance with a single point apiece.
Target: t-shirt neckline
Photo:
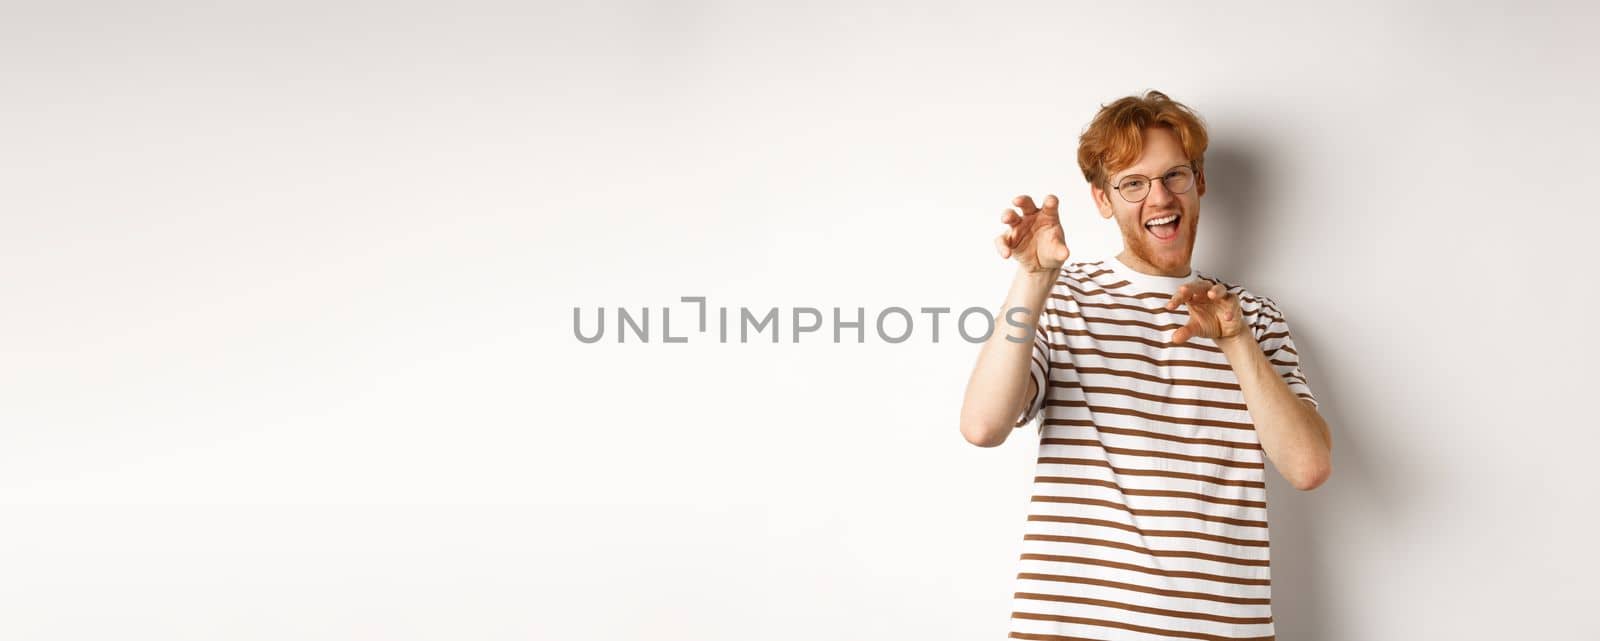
(1150, 282)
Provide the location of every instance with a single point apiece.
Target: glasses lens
(1180, 179)
(1134, 188)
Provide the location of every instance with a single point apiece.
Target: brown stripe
(1181, 514)
(1161, 473)
(1245, 299)
(1269, 329)
(1124, 338)
(1051, 328)
(1145, 609)
(1099, 270)
(1125, 322)
(1047, 637)
(1098, 289)
(1178, 534)
(1175, 382)
(1127, 431)
(1156, 312)
(1121, 288)
(1187, 594)
(1089, 279)
(1053, 538)
(1259, 305)
(1137, 308)
(1106, 409)
(1172, 362)
(1274, 335)
(1143, 492)
(1171, 400)
(1128, 451)
(1177, 574)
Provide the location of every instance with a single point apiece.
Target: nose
(1158, 194)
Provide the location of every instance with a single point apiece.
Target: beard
(1170, 257)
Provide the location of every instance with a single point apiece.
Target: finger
(1230, 307)
(1019, 235)
(1191, 293)
(1010, 217)
(1025, 202)
(1181, 335)
(1216, 292)
(1177, 297)
(1052, 204)
(1001, 246)
(1194, 326)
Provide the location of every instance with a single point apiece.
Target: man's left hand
(1214, 313)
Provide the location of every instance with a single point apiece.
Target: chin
(1170, 261)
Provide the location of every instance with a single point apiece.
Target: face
(1143, 248)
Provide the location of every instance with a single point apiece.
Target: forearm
(1292, 433)
(999, 383)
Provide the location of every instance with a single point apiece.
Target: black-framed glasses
(1135, 187)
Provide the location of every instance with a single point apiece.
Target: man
(1161, 388)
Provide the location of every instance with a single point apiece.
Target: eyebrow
(1130, 172)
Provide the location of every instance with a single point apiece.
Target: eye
(1174, 173)
(1133, 183)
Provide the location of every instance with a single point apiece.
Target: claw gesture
(1213, 312)
(1035, 238)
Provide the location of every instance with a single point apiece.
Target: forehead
(1162, 151)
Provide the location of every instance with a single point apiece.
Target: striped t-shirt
(1149, 511)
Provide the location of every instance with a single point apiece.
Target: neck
(1140, 265)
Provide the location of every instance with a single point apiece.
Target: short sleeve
(1039, 370)
(1272, 332)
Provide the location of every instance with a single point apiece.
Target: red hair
(1115, 138)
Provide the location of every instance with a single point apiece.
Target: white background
(288, 287)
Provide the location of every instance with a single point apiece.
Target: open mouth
(1165, 227)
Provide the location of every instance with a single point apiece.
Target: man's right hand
(1035, 237)
(1001, 388)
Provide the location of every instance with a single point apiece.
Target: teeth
(1162, 221)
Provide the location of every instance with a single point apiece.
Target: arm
(1001, 387)
(1291, 431)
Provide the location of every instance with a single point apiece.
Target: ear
(1102, 201)
(1200, 183)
